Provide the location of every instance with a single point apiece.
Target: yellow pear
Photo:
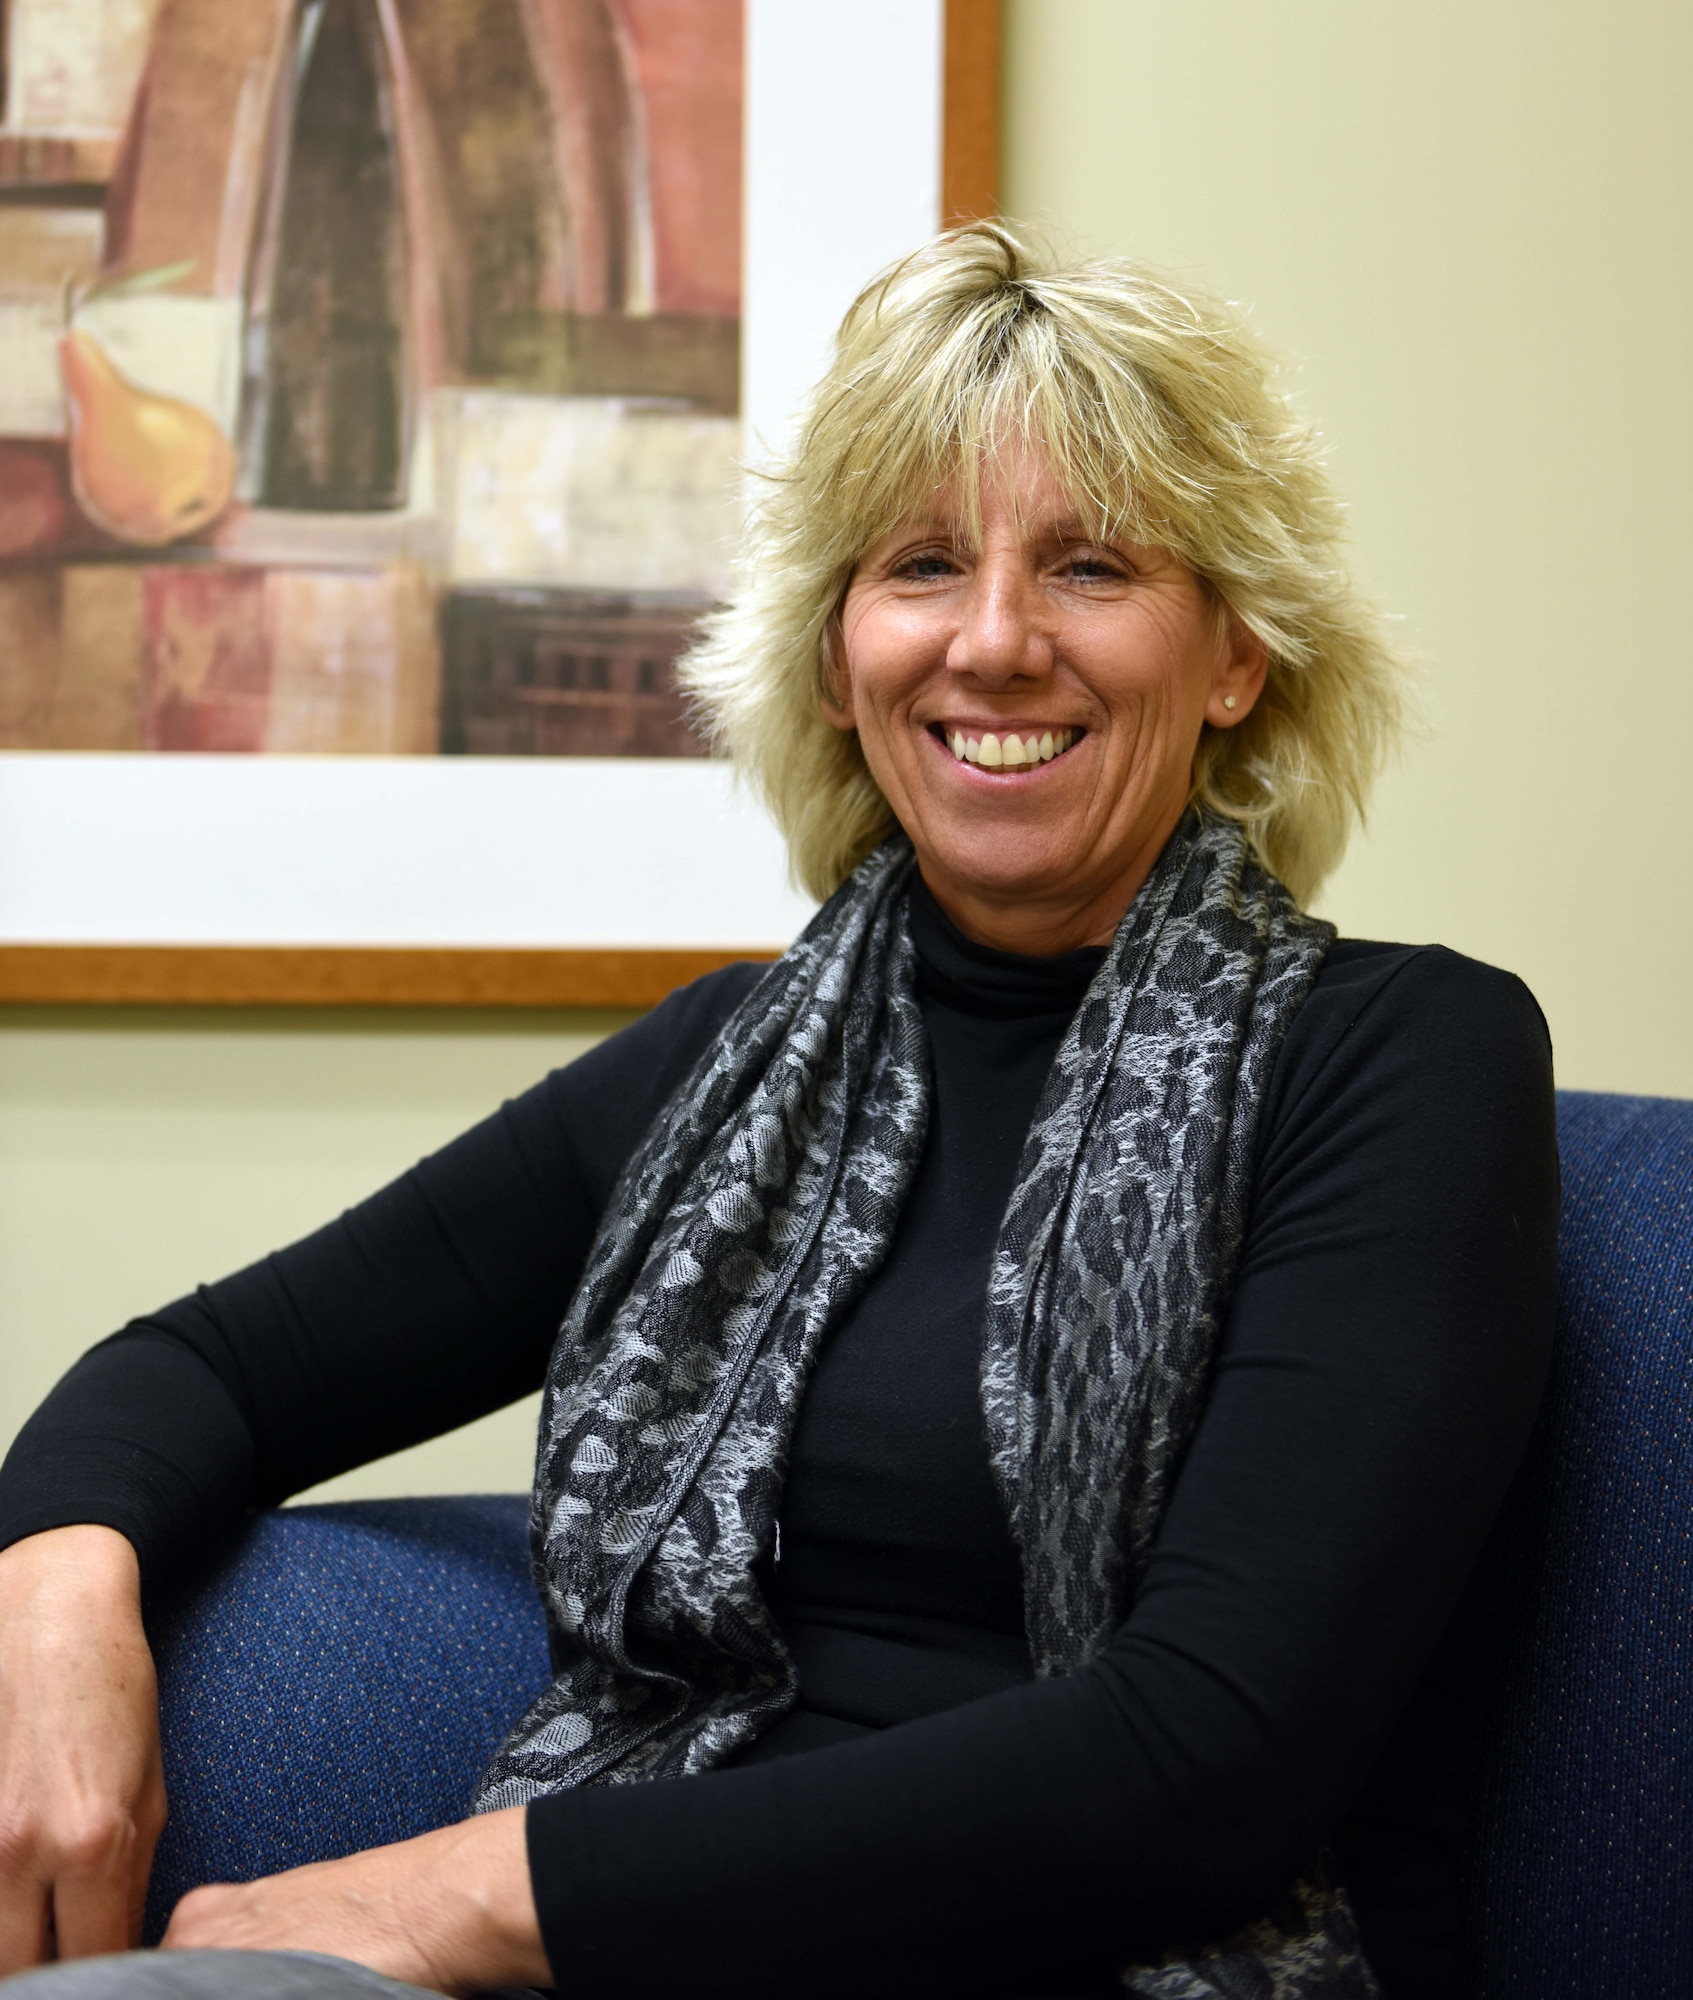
(147, 469)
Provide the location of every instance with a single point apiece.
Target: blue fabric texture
(1584, 1886)
(338, 1681)
(342, 1677)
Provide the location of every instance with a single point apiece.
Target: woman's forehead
(1025, 490)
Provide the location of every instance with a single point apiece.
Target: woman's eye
(924, 567)
(1094, 569)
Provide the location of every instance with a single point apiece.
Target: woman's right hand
(82, 1790)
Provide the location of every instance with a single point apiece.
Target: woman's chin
(984, 873)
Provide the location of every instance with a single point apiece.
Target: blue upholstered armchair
(339, 1679)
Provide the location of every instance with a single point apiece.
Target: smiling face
(1029, 701)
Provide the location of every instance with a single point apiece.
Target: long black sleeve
(429, 1304)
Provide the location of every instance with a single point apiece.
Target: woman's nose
(999, 637)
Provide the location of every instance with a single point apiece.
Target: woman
(1038, 1364)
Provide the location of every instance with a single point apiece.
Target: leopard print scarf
(751, 1217)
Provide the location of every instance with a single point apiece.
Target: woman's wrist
(63, 1565)
(479, 1885)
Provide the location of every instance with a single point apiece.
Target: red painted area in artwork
(35, 496)
(688, 62)
(206, 675)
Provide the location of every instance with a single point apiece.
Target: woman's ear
(836, 699)
(1237, 680)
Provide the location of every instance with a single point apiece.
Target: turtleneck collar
(975, 977)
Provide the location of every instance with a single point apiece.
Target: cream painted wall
(1467, 226)
(143, 1153)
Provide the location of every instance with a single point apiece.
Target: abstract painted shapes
(37, 512)
(44, 249)
(560, 673)
(523, 213)
(30, 620)
(43, 252)
(72, 65)
(217, 658)
(187, 188)
(326, 423)
(71, 658)
(581, 212)
(461, 277)
(591, 492)
(354, 664)
(172, 344)
(687, 55)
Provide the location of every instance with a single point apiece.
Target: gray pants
(209, 1975)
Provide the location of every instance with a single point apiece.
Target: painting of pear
(147, 469)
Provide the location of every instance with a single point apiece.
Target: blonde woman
(1037, 1364)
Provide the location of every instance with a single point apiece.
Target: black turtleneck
(899, 1587)
(931, 1820)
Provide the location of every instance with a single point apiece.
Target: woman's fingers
(99, 1887)
(451, 1911)
(82, 1798)
(345, 1909)
(25, 1934)
(73, 1878)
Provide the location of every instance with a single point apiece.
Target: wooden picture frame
(54, 970)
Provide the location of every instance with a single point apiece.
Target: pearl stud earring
(1229, 701)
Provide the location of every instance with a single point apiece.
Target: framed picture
(375, 377)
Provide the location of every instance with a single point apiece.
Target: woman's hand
(450, 1910)
(82, 1792)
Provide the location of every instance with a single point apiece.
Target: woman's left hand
(451, 1910)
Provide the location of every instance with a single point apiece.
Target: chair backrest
(1584, 1887)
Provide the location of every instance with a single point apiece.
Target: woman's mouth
(1006, 749)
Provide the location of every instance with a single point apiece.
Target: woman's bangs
(930, 449)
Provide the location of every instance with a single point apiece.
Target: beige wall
(1467, 226)
(1466, 223)
(143, 1153)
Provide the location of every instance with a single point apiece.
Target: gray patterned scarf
(753, 1214)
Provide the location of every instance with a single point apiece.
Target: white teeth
(1007, 750)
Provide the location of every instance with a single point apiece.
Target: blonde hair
(1159, 416)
